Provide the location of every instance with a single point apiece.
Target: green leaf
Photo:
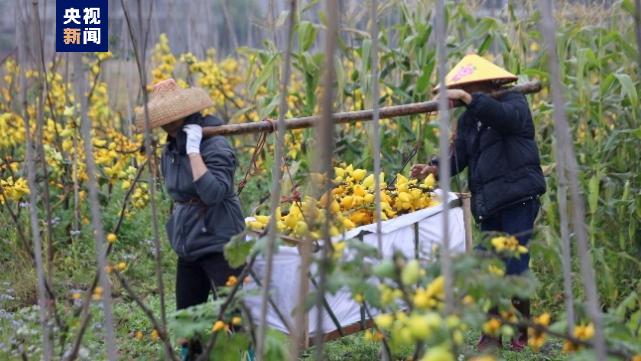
(264, 112)
(306, 35)
(424, 80)
(281, 18)
(628, 88)
(593, 193)
(485, 44)
(238, 249)
(265, 74)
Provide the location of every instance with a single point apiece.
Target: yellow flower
(468, 300)
(438, 353)
(139, 335)
(231, 281)
(236, 321)
(359, 174)
(112, 238)
(122, 266)
(218, 325)
(536, 341)
(569, 347)
(483, 358)
(154, 335)
(496, 270)
(544, 319)
(384, 320)
(498, 243)
(262, 219)
(492, 327)
(429, 181)
(584, 332)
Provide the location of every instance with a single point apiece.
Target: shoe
(250, 356)
(184, 351)
(488, 343)
(519, 341)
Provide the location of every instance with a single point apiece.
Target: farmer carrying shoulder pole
(495, 141)
(199, 177)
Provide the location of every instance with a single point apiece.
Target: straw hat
(473, 69)
(169, 102)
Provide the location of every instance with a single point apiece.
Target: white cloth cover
(397, 235)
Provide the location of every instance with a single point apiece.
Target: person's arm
(458, 154)
(509, 115)
(457, 157)
(198, 167)
(213, 170)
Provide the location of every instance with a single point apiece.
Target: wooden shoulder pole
(351, 117)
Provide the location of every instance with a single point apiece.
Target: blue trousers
(517, 219)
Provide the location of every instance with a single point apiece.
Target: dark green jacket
(206, 213)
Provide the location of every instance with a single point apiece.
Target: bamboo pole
(568, 161)
(355, 116)
(276, 187)
(375, 78)
(47, 347)
(637, 26)
(94, 206)
(138, 45)
(325, 151)
(444, 147)
(38, 45)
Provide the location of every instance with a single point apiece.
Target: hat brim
(498, 81)
(171, 107)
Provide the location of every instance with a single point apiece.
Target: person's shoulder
(512, 95)
(217, 143)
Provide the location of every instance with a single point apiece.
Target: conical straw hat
(168, 102)
(473, 69)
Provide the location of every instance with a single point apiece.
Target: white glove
(194, 136)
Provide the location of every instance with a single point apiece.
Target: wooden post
(467, 220)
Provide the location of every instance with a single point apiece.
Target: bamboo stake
(444, 161)
(47, 349)
(141, 60)
(44, 91)
(355, 116)
(276, 187)
(325, 146)
(385, 353)
(375, 122)
(567, 157)
(138, 44)
(94, 206)
(300, 329)
(637, 26)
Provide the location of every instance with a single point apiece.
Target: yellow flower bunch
(536, 338)
(351, 203)
(508, 244)
(432, 296)
(583, 332)
(12, 130)
(140, 196)
(13, 190)
(492, 327)
(164, 59)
